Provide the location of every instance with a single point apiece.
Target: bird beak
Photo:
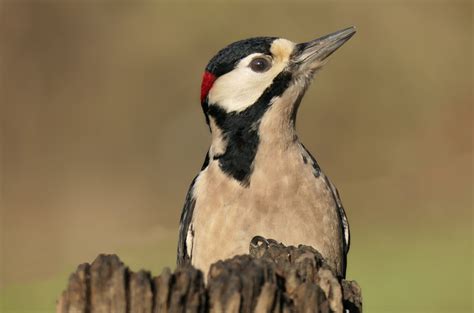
(310, 55)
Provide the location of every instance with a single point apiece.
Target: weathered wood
(272, 278)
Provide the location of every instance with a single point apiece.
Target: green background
(102, 132)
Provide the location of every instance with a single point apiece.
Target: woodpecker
(258, 179)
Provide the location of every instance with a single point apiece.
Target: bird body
(258, 178)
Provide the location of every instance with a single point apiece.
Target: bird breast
(285, 200)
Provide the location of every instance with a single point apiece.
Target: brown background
(102, 132)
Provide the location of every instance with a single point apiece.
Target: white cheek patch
(241, 87)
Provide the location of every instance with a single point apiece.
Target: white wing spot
(189, 240)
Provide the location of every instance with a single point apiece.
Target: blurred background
(102, 132)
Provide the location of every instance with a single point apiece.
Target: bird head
(251, 91)
(239, 75)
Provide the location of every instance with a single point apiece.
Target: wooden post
(272, 278)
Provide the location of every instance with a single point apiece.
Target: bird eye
(260, 64)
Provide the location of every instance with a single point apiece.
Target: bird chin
(310, 67)
(304, 75)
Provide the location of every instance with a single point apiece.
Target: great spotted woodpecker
(258, 178)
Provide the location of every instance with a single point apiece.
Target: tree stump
(272, 278)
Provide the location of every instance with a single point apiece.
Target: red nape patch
(207, 81)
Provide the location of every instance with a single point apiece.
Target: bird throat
(239, 131)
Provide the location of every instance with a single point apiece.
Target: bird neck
(238, 137)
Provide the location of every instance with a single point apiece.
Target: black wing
(184, 223)
(340, 209)
(185, 227)
(344, 223)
